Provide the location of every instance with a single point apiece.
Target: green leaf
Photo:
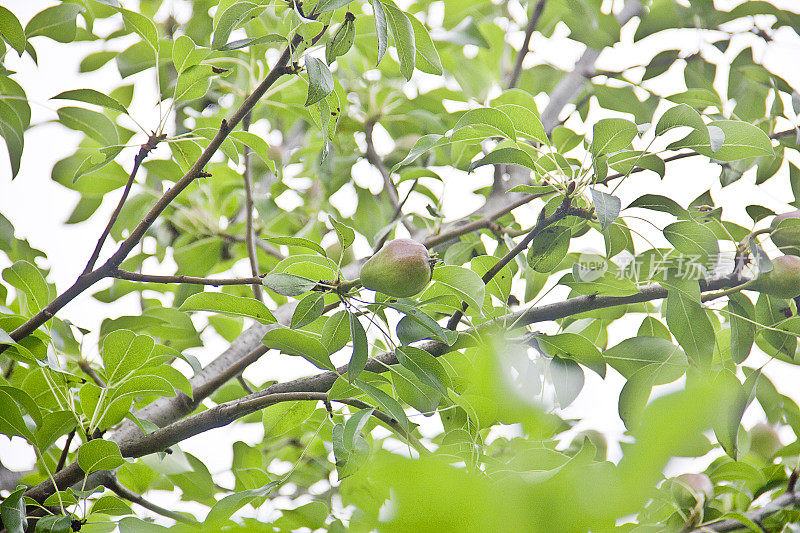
(689, 323)
(342, 40)
(258, 145)
(381, 28)
(741, 140)
(630, 355)
(26, 278)
(228, 18)
(323, 6)
(57, 23)
(11, 421)
(111, 505)
(427, 58)
(12, 130)
(228, 304)
(568, 380)
(282, 417)
(99, 454)
(741, 315)
(423, 145)
(418, 316)
(288, 284)
(488, 116)
(612, 135)
(253, 41)
(224, 508)
(336, 331)
(11, 30)
(54, 524)
(428, 369)
(656, 202)
(90, 96)
(607, 206)
(388, 404)
(294, 342)
(308, 310)
(344, 233)
(354, 425)
(12, 512)
(576, 347)
(193, 82)
(462, 282)
(96, 125)
(726, 426)
(320, 80)
(505, 156)
(360, 348)
(142, 25)
(695, 240)
(549, 248)
(123, 352)
(681, 116)
(403, 33)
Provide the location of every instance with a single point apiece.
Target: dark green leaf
(320, 80)
(358, 360)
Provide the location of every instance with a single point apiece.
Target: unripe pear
(402, 268)
(689, 489)
(783, 281)
(764, 441)
(786, 238)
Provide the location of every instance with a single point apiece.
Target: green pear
(402, 268)
(787, 237)
(764, 441)
(783, 281)
(690, 489)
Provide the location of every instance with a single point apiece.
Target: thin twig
(248, 207)
(481, 223)
(397, 212)
(145, 149)
(376, 161)
(533, 21)
(266, 247)
(155, 278)
(62, 460)
(117, 488)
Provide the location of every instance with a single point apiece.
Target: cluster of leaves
(434, 79)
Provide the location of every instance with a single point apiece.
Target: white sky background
(38, 207)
